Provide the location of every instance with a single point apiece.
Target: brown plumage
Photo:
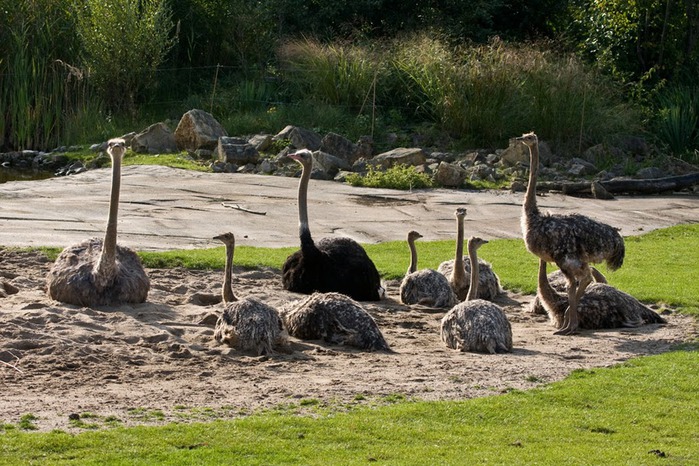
(476, 324)
(571, 241)
(331, 264)
(602, 306)
(247, 324)
(334, 318)
(427, 286)
(558, 282)
(99, 272)
(460, 276)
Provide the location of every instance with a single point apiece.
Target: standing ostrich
(332, 264)
(602, 306)
(247, 324)
(558, 282)
(427, 286)
(572, 241)
(334, 318)
(476, 324)
(96, 272)
(458, 270)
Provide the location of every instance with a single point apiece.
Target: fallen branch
(13, 367)
(619, 186)
(237, 207)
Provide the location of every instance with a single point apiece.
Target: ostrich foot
(570, 323)
(566, 331)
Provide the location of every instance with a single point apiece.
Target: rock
(580, 167)
(300, 138)
(340, 147)
(449, 175)
(198, 129)
(400, 156)
(365, 147)
(261, 142)
(650, 173)
(267, 167)
(517, 153)
(329, 163)
(599, 192)
(156, 139)
(237, 151)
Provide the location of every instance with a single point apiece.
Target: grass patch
(405, 177)
(638, 412)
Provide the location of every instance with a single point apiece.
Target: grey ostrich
(602, 306)
(246, 324)
(572, 241)
(99, 272)
(331, 264)
(458, 270)
(476, 324)
(558, 282)
(427, 286)
(334, 318)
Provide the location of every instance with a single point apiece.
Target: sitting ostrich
(558, 282)
(602, 306)
(331, 264)
(246, 324)
(458, 270)
(333, 318)
(427, 286)
(100, 272)
(476, 324)
(572, 241)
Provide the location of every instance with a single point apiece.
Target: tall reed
(677, 122)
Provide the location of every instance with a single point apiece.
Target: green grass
(633, 413)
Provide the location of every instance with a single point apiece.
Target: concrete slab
(163, 208)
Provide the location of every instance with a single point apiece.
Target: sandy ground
(75, 368)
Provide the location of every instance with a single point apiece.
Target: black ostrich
(332, 264)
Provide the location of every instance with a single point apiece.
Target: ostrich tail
(617, 258)
(649, 316)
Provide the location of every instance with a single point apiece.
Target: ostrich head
(474, 242)
(528, 139)
(413, 235)
(303, 156)
(226, 238)
(116, 148)
(460, 213)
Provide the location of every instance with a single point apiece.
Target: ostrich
(602, 306)
(332, 264)
(476, 324)
(246, 324)
(100, 272)
(458, 270)
(572, 241)
(334, 318)
(558, 282)
(426, 286)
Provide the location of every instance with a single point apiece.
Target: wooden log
(623, 186)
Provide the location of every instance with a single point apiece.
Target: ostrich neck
(530, 207)
(304, 230)
(546, 292)
(413, 257)
(473, 288)
(228, 295)
(459, 272)
(107, 260)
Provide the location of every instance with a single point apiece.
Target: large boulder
(340, 147)
(198, 130)
(517, 153)
(300, 138)
(236, 151)
(329, 163)
(400, 156)
(156, 139)
(449, 174)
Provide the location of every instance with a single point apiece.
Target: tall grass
(678, 118)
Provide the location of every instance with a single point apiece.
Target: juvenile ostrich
(247, 324)
(571, 241)
(602, 306)
(458, 270)
(558, 282)
(334, 318)
(332, 264)
(99, 272)
(476, 324)
(427, 286)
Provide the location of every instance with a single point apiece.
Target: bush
(404, 177)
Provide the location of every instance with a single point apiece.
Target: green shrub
(404, 177)
(678, 118)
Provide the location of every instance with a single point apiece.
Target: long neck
(473, 288)
(107, 260)
(530, 207)
(413, 256)
(304, 230)
(459, 273)
(547, 294)
(228, 295)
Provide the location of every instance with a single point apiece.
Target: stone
(339, 146)
(650, 173)
(300, 138)
(400, 156)
(237, 151)
(262, 142)
(449, 175)
(599, 192)
(580, 167)
(156, 139)
(198, 129)
(329, 163)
